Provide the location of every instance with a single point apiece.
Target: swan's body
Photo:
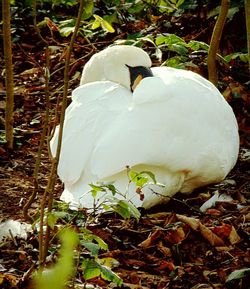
(175, 124)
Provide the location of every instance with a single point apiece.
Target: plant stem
(45, 124)
(215, 41)
(247, 12)
(52, 178)
(9, 82)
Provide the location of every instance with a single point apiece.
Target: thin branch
(35, 22)
(247, 12)
(45, 124)
(42, 141)
(215, 41)
(9, 82)
(52, 178)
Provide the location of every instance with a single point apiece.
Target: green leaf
(141, 178)
(96, 24)
(242, 56)
(88, 235)
(175, 61)
(141, 181)
(42, 23)
(197, 45)
(136, 8)
(179, 3)
(112, 188)
(106, 207)
(91, 269)
(147, 38)
(57, 275)
(150, 174)
(93, 248)
(238, 274)
(97, 188)
(160, 40)
(102, 244)
(109, 262)
(180, 49)
(109, 275)
(231, 12)
(53, 217)
(173, 39)
(121, 210)
(132, 209)
(95, 268)
(105, 25)
(126, 209)
(103, 188)
(88, 9)
(65, 2)
(138, 178)
(67, 22)
(66, 31)
(166, 6)
(113, 18)
(158, 53)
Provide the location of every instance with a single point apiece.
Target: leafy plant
(118, 201)
(57, 276)
(237, 56)
(94, 266)
(238, 274)
(120, 205)
(181, 53)
(100, 267)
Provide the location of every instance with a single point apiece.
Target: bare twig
(45, 124)
(35, 22)
(41, 144)
(9, 108)
(52, 178)
(247, 12)
(215, 41)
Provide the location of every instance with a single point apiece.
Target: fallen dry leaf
(165, 250)
(224, 248)
(212, 238)
(166, 265)
(151, 239)
(227, 231)
(175, 236)
(234, 237)
(213, 212)
(223, 231)
(192, 222)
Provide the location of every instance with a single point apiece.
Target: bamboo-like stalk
(215, 41)
(9, 82)
(247, 12)
(52, 178)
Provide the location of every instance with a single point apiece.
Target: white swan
(175, 124)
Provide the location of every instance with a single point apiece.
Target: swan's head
(122, 64)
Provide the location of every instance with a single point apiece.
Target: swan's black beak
(137, 73)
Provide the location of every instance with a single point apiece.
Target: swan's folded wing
(179, 125)
(93, 108)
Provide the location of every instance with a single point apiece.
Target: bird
(127, 116)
